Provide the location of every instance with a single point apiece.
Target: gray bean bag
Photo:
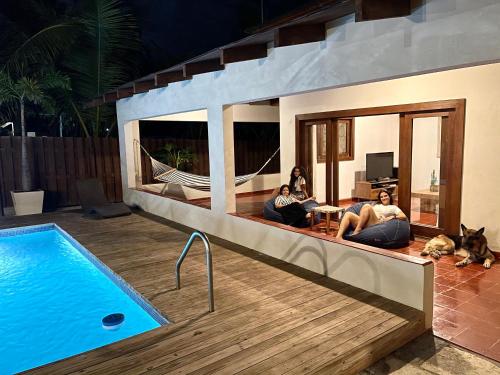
(270, 212)
(392, 234)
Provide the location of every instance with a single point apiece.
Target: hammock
(165, 173)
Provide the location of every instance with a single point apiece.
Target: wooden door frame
(302, 155)
(452, 144)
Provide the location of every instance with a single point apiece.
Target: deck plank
(271, 317)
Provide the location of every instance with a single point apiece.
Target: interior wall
(372, 134)
(479, 85)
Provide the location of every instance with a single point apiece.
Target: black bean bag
(270, 212)
(392, 234)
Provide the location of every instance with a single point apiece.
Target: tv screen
(379, 165)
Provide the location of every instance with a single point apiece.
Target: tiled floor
(466, 303)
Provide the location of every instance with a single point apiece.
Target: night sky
(172, 31)
(176, 30)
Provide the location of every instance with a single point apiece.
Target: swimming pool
(54, 295)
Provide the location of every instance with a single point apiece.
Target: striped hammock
(165, 173)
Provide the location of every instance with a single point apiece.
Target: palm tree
(27, 72)
(105, 57)
(95, 44)
(35, 88)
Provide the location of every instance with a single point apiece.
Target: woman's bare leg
(367, 218)
(347, 220)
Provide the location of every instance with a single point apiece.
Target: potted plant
(434, 186)
(16, 92)
(177, 157)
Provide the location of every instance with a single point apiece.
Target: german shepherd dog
(439, 245)
(476, 246)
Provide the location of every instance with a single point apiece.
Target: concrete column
(287, 145)
(221, 152)
(129, 155)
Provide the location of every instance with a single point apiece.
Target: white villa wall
(480, 86)
(241, 113)
(438, 36)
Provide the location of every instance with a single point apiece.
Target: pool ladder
(208, 255)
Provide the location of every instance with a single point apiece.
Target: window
(345, 140)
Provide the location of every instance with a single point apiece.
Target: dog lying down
(474, 247)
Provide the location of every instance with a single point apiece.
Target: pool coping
(114, 277)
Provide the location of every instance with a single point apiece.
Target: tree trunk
(26, 180)
(23, 123)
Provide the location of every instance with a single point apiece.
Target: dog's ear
(480, 231)
(464, 228)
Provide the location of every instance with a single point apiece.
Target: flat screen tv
(379, 165)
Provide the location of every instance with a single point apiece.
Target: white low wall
(409, 283)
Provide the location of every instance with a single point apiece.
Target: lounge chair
(94, 202)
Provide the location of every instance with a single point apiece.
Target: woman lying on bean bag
(290, 208)
(382, 224)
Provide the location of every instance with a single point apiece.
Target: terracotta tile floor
(466, 303)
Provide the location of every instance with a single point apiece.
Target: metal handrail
(208, 254)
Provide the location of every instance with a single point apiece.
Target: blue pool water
(53, 297)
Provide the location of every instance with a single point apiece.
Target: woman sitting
(297, 183)
(384, 210)
(290, 208)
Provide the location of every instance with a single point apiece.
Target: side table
(327, 210)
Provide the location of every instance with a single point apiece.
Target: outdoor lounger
(94, 202)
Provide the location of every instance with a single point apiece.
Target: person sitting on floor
(290, 208)
(297, 183)
(384, 210)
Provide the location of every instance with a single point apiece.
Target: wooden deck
(271, 317)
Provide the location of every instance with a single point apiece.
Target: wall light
(11, 124)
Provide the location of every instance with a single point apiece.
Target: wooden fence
(57, 163)
(250, 155)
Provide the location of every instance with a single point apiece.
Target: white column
(129, 157)
(287, 144)
(221, 153)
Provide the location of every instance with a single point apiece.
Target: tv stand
(368, 190)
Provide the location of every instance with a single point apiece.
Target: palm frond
(43, 46)
(108, 47)
(53, 79)
(8, 93)
(29, 89)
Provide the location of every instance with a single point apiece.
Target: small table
(328, 210)
(428, 199)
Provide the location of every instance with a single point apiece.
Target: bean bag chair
(270, 212)
(392, 234)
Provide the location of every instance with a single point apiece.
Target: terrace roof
(305, 25)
